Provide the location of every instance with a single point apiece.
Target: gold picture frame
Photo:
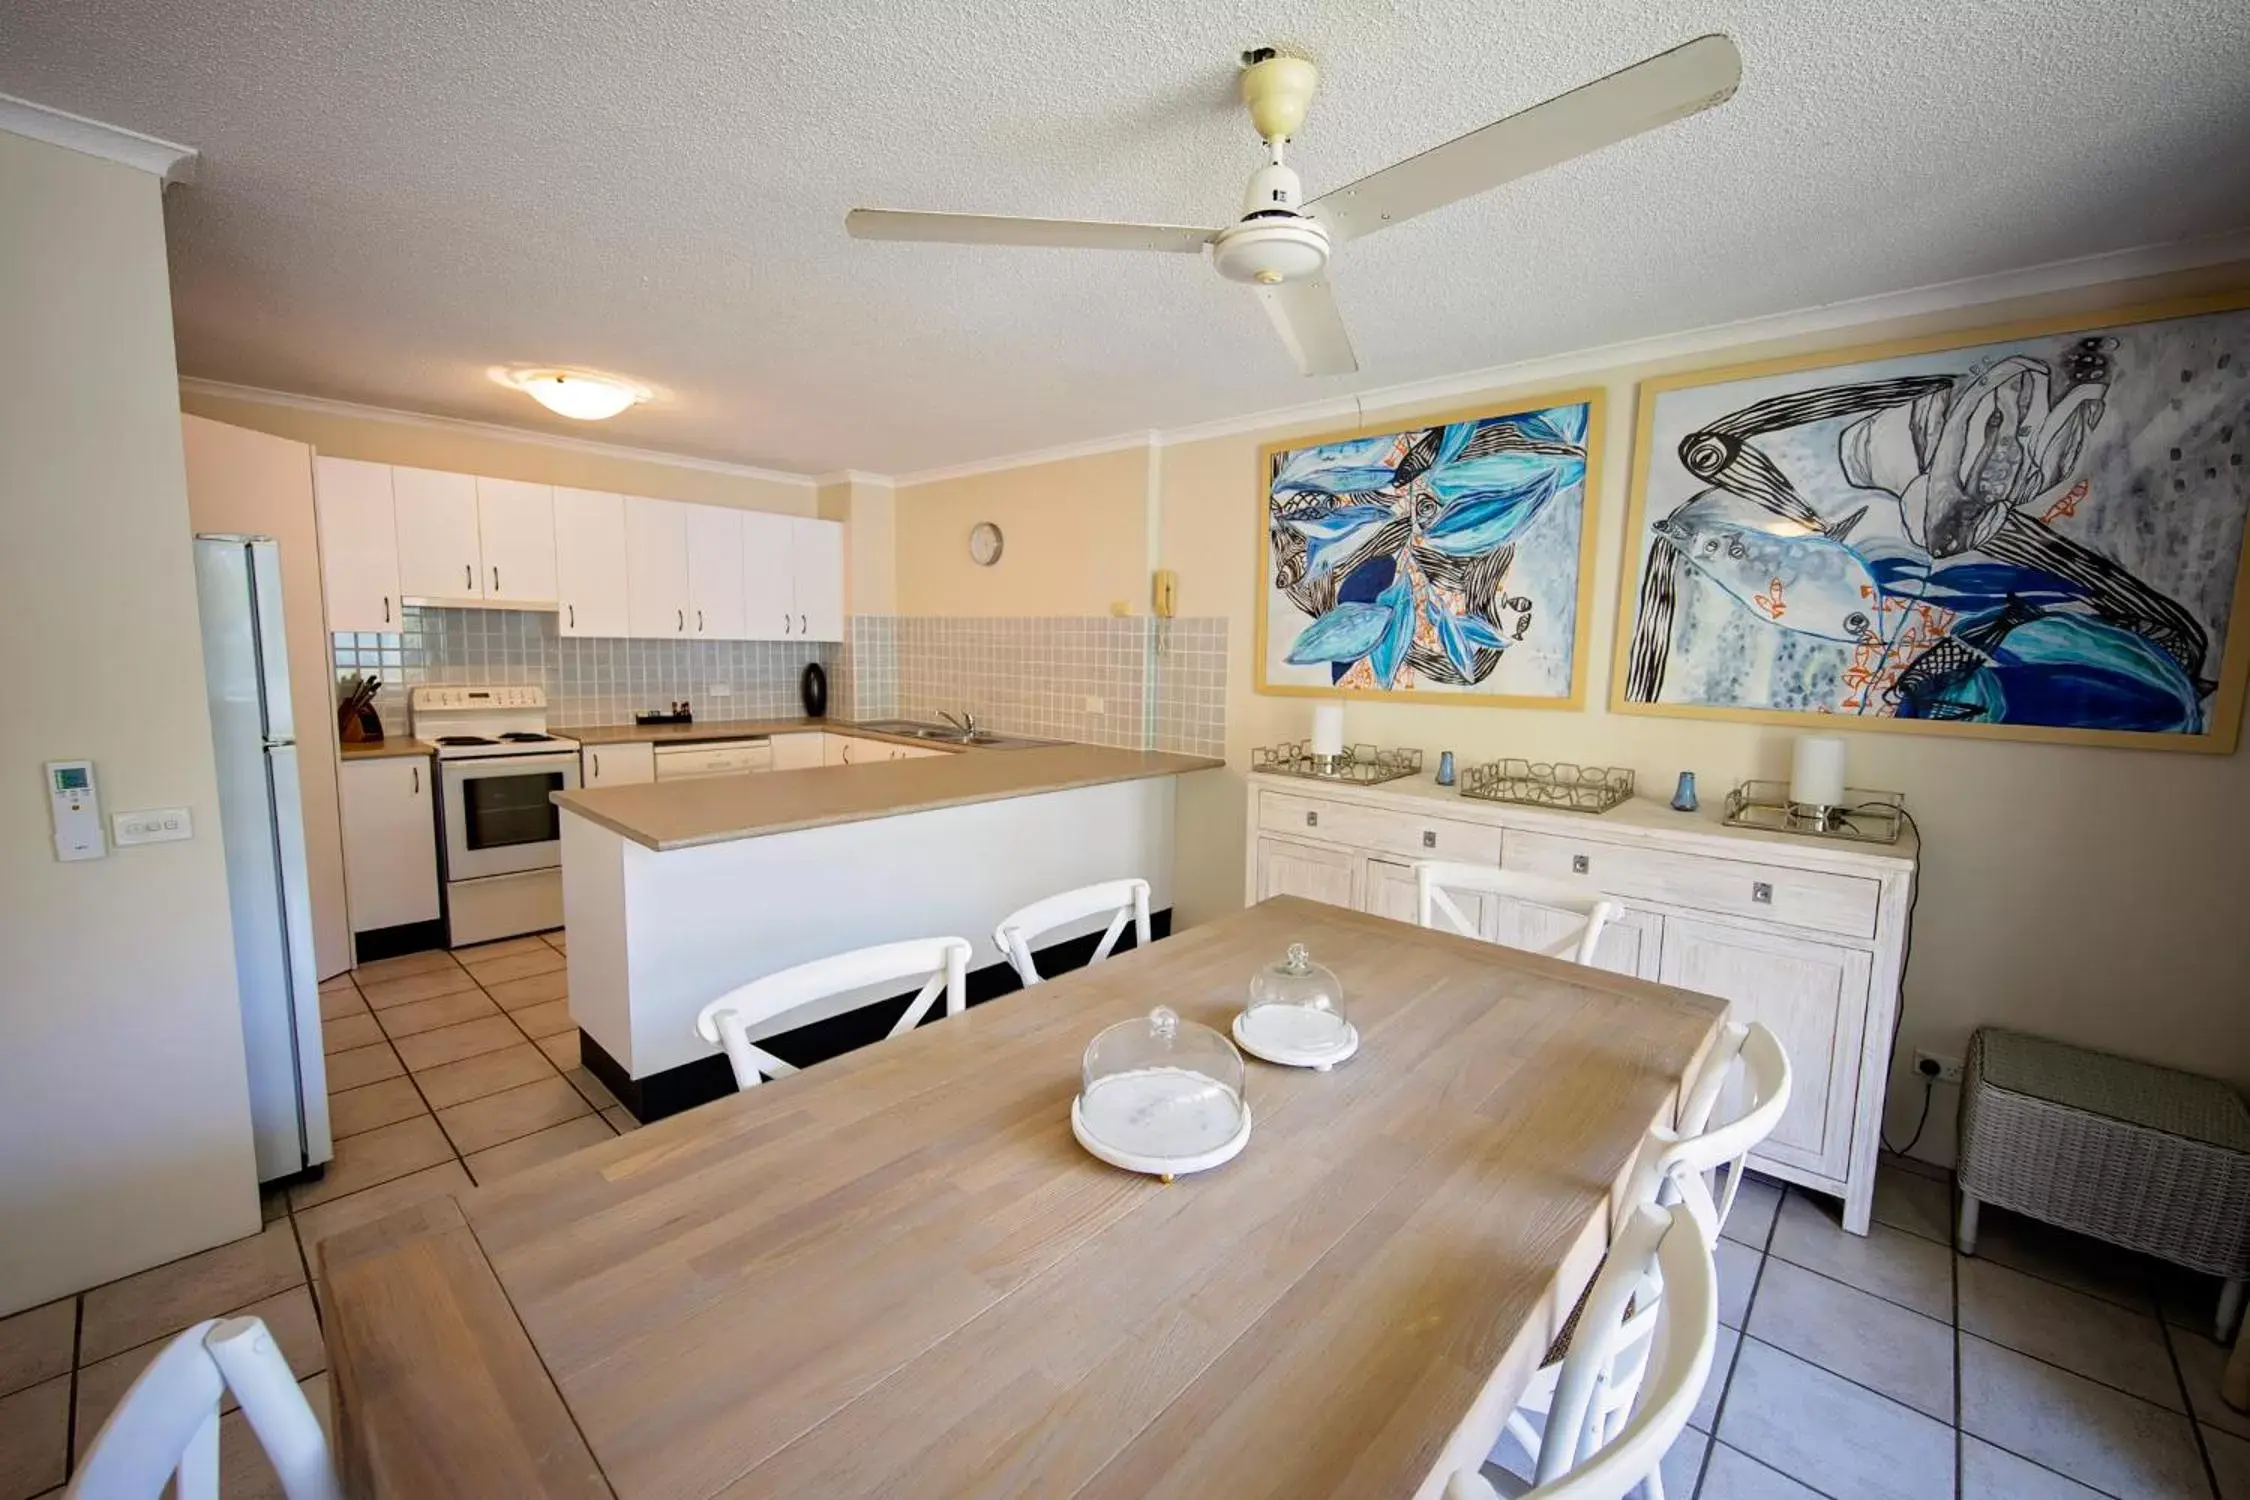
(2221, 718)
(1595, 400)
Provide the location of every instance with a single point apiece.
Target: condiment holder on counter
(1296, 1015)
(1161, 1096)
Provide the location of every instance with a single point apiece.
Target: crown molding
(167, 161)
(224, 391)
(853, 476)
(1058, 454)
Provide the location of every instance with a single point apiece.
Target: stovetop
(463, 722)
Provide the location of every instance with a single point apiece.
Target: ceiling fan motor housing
(1274, 242)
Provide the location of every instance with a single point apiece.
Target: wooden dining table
(897, 1273)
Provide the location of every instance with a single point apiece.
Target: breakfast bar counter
(897, 1273)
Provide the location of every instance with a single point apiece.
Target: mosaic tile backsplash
(1159, 684)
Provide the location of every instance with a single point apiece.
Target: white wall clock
(985, 543)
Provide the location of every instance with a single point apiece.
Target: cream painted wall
(123, 1101)
(253, 482)
(869, 510)
(463, 450)
(2094, 895)
(1076, 539)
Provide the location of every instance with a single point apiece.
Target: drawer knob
(1312, 820)
(1429, 838)
(1581, 863)
(1761, 892)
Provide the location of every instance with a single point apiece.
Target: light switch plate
(719, 690)
(1093, 704)
(153, 825)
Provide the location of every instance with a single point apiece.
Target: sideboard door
(1629, 944)
(1813, 996)
(1292, 869)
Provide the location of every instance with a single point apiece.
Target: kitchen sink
(945, 734)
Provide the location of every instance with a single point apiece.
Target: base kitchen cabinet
(390, 841)
(617, 765)
(1807, 936)
(797, 752)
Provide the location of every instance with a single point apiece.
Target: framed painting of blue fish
(1447, 562)
(2030, 532)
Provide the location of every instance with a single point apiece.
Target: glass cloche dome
(1161, 1095)
(1296, 1014)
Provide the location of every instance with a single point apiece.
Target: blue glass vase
(1683, 795)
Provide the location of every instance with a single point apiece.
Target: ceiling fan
(1281, 244)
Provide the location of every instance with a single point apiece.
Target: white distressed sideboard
(1806, 935)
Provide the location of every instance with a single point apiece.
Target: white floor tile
(1755, 1204)
(2202, 1363)
(2116, 1443)
(1857, 1335)
(1738, 1274)
(1989, 1473)
(1722, 1365)
(2100, 1340)
(1917, 1204)
(1900, 1267)
(2054, 1254)
(1823, 1430)
(1683, 1465)
(1736, 1476)
(2230, 1461)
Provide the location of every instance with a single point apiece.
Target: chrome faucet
(966, 723)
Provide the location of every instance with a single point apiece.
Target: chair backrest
(1433, 878)
(1579, 1459)
(1020, 928)
(167, 1425)
(727, 1020)
(1674, 1165)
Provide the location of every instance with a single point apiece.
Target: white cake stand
(1296, 1036)
(1163, 1122)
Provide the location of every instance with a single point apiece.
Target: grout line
(1970, 1333)
(1854, 1286)
(1750, 1457)
(2187, 1399)
(1953, 1273)
(70, 1407)
(1741, 1336)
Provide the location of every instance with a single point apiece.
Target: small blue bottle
(1445, 768)
(1683, 796)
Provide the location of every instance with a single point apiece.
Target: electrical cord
(1898, 1021)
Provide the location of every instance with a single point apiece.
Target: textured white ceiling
(394, 196)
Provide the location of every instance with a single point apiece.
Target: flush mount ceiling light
(584, 395)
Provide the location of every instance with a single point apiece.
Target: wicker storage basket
(2141, 1156)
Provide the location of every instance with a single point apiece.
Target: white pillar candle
(1328, 729)
(1816, 774)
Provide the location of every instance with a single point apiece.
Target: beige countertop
(722, 729)
(384, 749)
(714, 810)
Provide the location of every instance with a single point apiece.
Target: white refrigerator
(261, 819)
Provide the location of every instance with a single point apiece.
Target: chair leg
(2230, 1308)
(1965, 1238)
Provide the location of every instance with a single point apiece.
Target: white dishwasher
(713, 758)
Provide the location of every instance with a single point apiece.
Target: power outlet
(1943, 1069)
(1093, 704)
(155, 825)
(719, 690)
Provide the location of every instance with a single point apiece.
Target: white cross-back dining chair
(728, 1019)
(1665, 1358)
(167, 1425)
(1434, 878)
(1019, 929)
(1677, 1166)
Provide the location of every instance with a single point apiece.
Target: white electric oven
(500, 833)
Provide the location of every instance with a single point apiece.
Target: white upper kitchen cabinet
(590, 563)
(817, 566)
(714, 573)
(769, 587)
(438, 548)
(516, 537)
(358, 543)
(656, 567)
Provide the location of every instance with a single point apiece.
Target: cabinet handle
(573, 615)
(1580, 864)
(597, 765)
(417, 773)
(1429, 838)
(1761, 893)
(785, 625)
(847, 755)
(682, 623)
(468, 576)
(1312, 820)
(496, 580)
(801, 627)
(386, 609)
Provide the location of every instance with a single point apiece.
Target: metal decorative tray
(1556, 784)
(1866, 818)
(1361, 765)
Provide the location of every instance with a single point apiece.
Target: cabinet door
(1388, 889)
(1628, 945)
(358, 543)
(656, 588)
(516, 535)
(1290, 869)
(843, 750)
(618, 765)
(818, 569)
(794, 752)
(714, 570)
(1813, 996)
(438, 551)
(390, 842)
(590, 563)
(769, 588)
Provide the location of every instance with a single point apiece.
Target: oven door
(498, 816)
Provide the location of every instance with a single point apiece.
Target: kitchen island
(676, 892)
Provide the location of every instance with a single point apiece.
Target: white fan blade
(1304, 314)
(1666, 87)
(1001, 229)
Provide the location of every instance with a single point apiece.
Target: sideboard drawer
(1842, 904)
(1378, 828)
